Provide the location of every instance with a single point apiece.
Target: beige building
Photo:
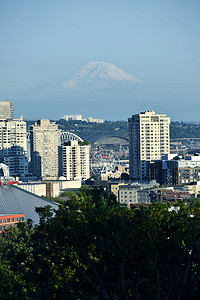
(13, 146)
(75, 160)
(49, 188)
(149, 140)
(44, 143)
(113, 187)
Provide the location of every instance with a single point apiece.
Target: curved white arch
(69, 136)
(5, 169)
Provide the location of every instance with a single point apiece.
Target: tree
(91, 248)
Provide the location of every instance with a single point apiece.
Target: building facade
(44, 143)
(149, 140)
(75, 160)
(13, 146)
(136, 193)
(9, 220)
(171, 172)
(6, 109)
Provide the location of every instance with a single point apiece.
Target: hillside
(94, 131)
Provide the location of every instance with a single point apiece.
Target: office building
(75, 160)
(172, 170)
(149, 140)
(13, 146)
(44, 143)
(6, 109)
(165, 172)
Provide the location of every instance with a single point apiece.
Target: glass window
(0, 220)
(4, 220)
(12, 219)
(8, 220)
(0, 228)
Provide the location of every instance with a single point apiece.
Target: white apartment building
(79, 118)
(13, 146)
(75, 161)
(44, 143)
(72, 117)
(6, 109)
(149, 140)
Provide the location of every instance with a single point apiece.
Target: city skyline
(45, 44)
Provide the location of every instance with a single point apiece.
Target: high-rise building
(75, 160)
(6, 109)
(13, 146)
(149, 140)
(44, 143)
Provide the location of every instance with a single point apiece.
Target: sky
(45, 43)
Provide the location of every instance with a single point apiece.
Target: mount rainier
(100, 75)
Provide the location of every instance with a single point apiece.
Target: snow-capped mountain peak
(98, 75)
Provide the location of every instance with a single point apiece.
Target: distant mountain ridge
(98, 74)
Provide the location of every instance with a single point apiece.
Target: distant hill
(184, 130)
(95, 131)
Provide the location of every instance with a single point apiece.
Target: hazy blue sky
(45, 42)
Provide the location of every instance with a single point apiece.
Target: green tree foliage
(184, 130)
(91, 248)
(85, 143)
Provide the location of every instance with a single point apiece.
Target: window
(4, 220)
(8, 220)
(12, 219)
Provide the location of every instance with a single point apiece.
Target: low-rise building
(51, 189)
(13, 199)
(136, 193)
(171, 195)
(113, 187)
(9, 220)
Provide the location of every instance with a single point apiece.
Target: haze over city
(44, 44)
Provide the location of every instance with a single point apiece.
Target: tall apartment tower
(75, 160)
(13, 146)
(149, 140)
(6, 109)
(44, 143)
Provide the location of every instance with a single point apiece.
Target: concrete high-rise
(6, 109)
(149, 140)
(44, 143)
(75, 161)
(13, 146)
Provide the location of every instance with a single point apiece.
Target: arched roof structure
(69, 136)
(112, 140)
